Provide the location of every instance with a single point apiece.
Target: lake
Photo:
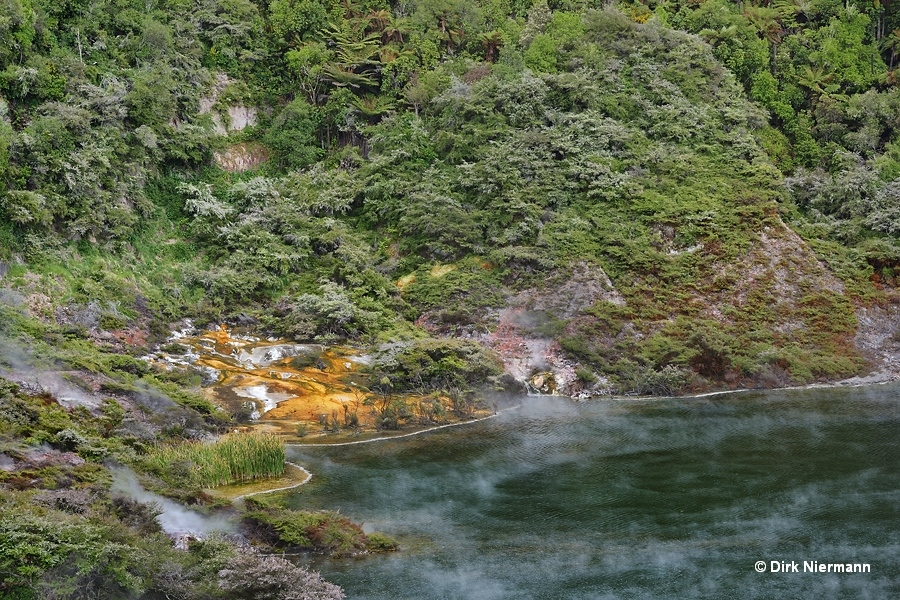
(629, 498)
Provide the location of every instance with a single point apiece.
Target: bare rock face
(587, 285)
(241, 157)
(534, 357)
(48, 457)
(878, 338)
(240, 117)
(207, 102)
(235, 117)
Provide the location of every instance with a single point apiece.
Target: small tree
(250, 575)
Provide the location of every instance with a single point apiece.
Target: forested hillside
(381, 171)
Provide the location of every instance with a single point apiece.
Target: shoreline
(881, 378)
(400, 436)
(307, 477)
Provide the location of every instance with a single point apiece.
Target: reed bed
(234, 458)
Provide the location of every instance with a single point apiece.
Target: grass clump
(235, 458)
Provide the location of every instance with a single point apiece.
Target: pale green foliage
(255, 193)
(539, 16)
(566, 28)
(88, 188)
(25, 207)
(49, 553)
(332, 313)
(884, 209)
(32, 543)
(511, 139)
(332, 305)
(6, 137)
(16, 29)
(431, 364)
(201, 202)
(321, 191)
(151, 100)
(849, 199)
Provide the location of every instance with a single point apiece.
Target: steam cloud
(174, 518)
(19, 364)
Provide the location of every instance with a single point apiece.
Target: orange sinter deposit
(276, 385)
(306, 391)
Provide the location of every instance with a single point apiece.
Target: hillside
(347, 185)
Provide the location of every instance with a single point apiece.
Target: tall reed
(234, 458)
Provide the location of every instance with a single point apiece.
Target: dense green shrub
(292, 136)
(320, 531)
(434, 364)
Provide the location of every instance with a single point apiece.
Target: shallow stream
(675, 498)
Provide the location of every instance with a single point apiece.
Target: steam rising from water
(630, 499)
(175, 519)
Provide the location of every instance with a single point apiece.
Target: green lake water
(674, 498)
